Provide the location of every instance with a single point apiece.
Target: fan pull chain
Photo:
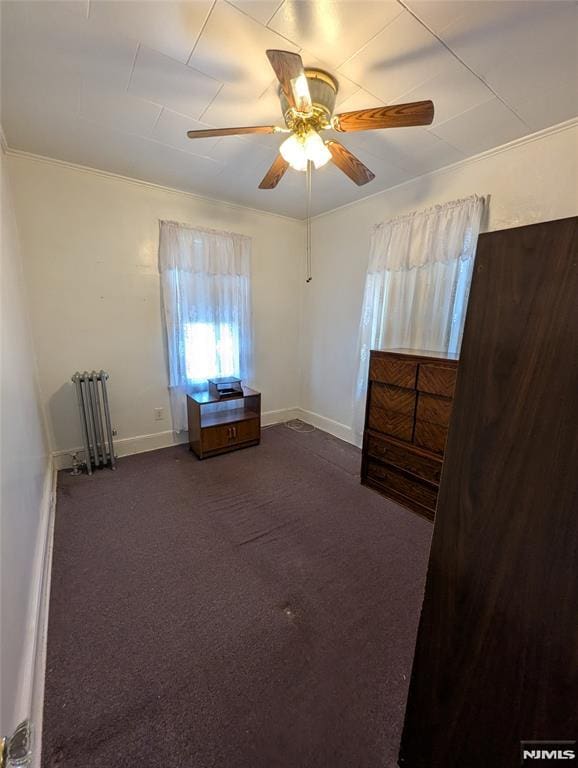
(308, 276)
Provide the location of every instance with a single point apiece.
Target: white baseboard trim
(335, 428)
(269, 418)
(37, 708)
(127, 446)
(30, 702)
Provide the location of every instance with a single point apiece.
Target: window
(205, 281)
(210, 350)
(417, 284)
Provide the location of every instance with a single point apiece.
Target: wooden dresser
(409, 401)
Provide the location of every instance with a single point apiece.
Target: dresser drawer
(436, 379)
(391, 423)
(392, 370)
(404, 457)
(393, 398)
(434, 408)
(431, 436)
(392, 479)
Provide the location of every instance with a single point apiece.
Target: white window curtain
(417, 284)
(205, 283)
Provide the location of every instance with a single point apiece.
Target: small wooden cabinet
(409, 402)
(221, 425)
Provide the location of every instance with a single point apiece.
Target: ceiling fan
(307, 99)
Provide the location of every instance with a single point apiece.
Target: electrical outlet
(159, 414)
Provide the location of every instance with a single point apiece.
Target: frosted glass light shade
(315, 149)
(293, 151)
(297, 150)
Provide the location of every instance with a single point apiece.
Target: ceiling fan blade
(275, 173)
(203, 134)
(349, 164)
(394, 116)
(289, 70)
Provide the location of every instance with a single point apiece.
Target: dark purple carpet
(255, 610)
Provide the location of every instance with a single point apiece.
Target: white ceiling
(116, 85)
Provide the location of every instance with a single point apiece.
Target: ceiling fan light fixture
(315, 149)
(307, 98)
(293, 151)
(298, 149)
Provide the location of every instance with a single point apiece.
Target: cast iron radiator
(95, 422)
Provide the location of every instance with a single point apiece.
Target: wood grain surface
(395, 116)
(275, 173)
(496, 654)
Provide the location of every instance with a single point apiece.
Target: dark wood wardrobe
(496, 659)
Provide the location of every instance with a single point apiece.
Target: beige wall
(90, 246)
(533, 180)
(25, 478)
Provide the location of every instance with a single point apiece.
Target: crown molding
(528, 139)
(20, 153)
(545, 132)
